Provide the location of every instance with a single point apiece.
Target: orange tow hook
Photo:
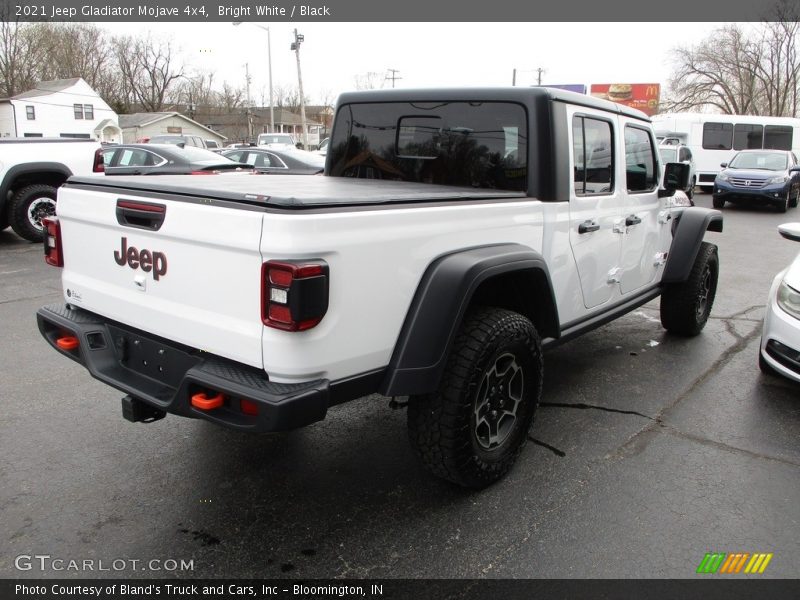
(68, 342)
(203, 402)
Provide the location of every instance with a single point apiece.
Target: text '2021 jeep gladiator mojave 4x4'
(454, 235)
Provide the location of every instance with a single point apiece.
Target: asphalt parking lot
(648, 451)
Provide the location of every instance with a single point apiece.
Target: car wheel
(27, 209)
(718, 202)
(685, 306)
(783, 205)
(793, 202)
(473, 428)
(690, 191)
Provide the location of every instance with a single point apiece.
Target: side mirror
(795, 169)
(676, 177)
(723, 165)
(791, 231)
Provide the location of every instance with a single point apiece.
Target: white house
(61, 108)
(142, 126)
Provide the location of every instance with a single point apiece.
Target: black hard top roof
(486, 94)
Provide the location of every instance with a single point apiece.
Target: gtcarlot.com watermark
(46, 562)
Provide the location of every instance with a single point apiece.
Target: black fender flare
(442, 299)
(687, 234)
(26, 168)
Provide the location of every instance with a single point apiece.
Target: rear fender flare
(443, 297)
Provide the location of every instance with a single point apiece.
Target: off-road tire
(718, 202)
(685, 306)
(494, 369)
(690, 191)
(27, 208)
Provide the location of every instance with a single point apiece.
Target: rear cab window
(473, 144)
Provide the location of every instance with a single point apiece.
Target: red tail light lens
(53, 254)
(98, 166)
(294, 296)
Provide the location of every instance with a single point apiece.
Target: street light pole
(269, 63)
(299, 39)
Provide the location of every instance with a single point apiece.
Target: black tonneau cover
(289, 191)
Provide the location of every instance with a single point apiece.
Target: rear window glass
(475, 144)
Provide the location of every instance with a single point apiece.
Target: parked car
(322, 150)
(293, 162)
(765, 176)
(780, 337)
(164, 159)
(673, 150)
(276, 141)
(178, 140)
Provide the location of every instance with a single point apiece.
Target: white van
(714, 139)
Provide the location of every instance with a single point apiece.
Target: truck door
(644, 238)
(596, 205)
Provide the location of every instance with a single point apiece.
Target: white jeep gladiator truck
(31, 169)
(455, 234)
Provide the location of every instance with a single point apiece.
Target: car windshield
(767, 161)
(668, 155)
(271, 138)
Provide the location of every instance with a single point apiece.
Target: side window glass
(717, 136)
(778, 137)
(593, 156)
(640, 164)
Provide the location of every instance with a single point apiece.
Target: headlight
(789, 300)
(723, 177)
(778, 179)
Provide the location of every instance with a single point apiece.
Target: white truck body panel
(209, 297)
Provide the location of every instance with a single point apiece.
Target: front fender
(688, 232)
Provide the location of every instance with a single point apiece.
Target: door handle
(588, 227)
(632, 220)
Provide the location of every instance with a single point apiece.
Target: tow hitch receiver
(137, 411)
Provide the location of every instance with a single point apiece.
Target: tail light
(53, 254)
(294, 296)
(99, 166)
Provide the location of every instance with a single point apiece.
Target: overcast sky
(428, 54)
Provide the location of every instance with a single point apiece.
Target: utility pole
(394, 76)
(514, 77)
(269, 63)
(299, 39)
(539, 70)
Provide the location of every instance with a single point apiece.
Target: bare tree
(21, 54)
(147, 70)
(737, 72)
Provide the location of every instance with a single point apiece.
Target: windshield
(767, 161)
(668, 155)
(312, 160)
(275, 138)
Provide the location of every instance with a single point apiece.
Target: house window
(30, 112)
(83, 111)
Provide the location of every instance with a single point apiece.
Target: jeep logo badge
(145, 260)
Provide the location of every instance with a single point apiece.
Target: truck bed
(290, 191)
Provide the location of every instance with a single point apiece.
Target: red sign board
(642, 96)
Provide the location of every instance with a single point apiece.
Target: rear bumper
(166, 375)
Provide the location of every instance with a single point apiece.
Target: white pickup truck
(31, 169)
(455, 234)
